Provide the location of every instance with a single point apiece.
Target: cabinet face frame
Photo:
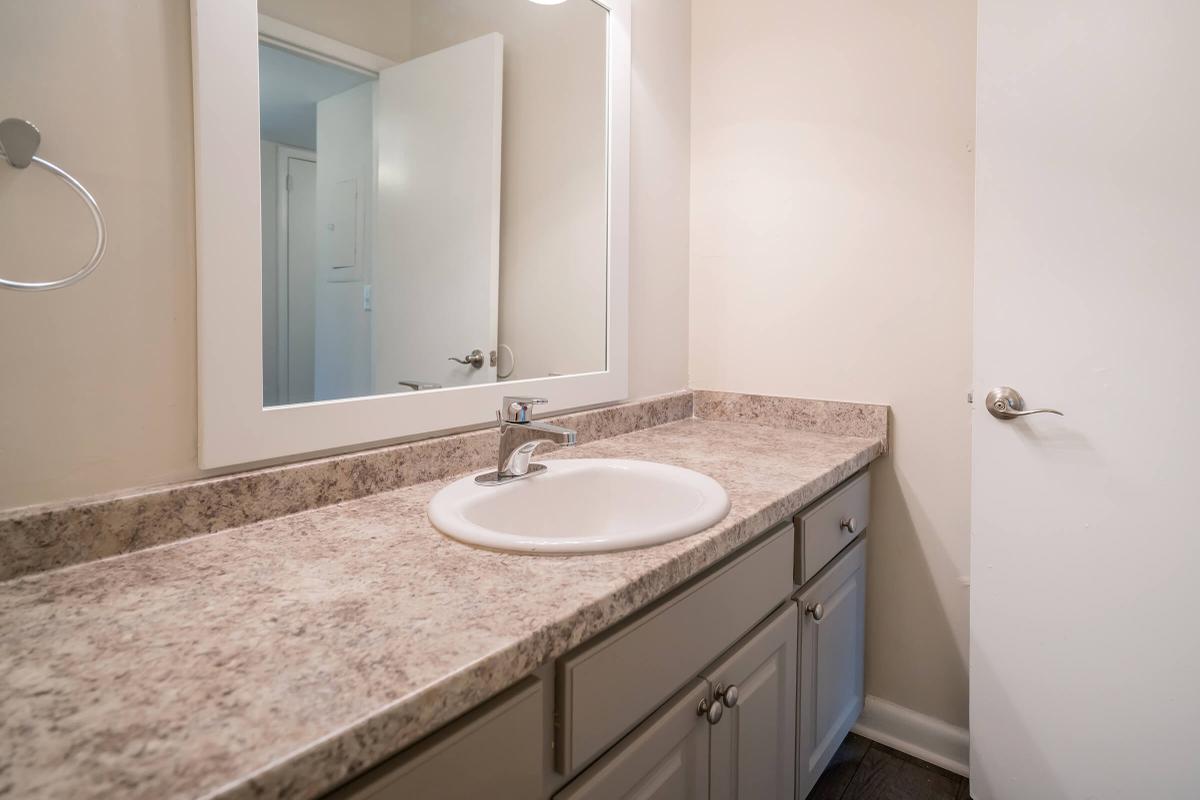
(234, 425)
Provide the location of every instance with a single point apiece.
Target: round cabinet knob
(710, 711)
(728, 695)
(850, 525)
(817, 612)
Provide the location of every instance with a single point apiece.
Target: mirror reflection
(434, 194)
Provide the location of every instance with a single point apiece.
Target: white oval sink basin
(581, 506)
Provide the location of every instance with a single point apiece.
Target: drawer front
(825, 530)
(495, 751)
(607, 686)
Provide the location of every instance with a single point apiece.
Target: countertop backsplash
(40, 538)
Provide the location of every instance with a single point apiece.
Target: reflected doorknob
(1005, 402)
(474, 358)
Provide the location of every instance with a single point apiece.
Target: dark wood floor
(866, 770)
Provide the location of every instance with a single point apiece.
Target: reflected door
(437, 267)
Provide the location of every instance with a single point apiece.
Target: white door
(299, 278)
(437, 263)
(1085, 562)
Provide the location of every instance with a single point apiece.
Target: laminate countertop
(281, 658)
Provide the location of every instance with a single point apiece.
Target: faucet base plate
(494, 478)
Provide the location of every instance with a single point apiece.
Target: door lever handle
(1005, 402)
(474, 358)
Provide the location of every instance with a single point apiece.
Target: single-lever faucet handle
(520, 409)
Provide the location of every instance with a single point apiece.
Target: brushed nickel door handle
(1005, 402)
(473, 358)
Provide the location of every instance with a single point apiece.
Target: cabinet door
(832, 622)
(665, 758)
(753, 751)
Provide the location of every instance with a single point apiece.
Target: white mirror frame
(234, 426)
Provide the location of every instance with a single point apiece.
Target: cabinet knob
(710, 711)
(850, 525)
(728, 695)
(817, 612)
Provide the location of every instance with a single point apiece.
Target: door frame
(285, 36)
(311, 44)
(284, 153)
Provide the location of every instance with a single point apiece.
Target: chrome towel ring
(19, 142)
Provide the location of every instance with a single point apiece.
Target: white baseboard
(940, 743)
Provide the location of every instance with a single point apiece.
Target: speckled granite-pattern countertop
(280, 658)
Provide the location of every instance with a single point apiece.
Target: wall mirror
(405, 210)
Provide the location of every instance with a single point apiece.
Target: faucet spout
(518, 440)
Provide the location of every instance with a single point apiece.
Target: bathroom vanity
(739, 684)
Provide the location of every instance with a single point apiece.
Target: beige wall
(98, 386)
(660, 176)
(99, 380)
(831, 247)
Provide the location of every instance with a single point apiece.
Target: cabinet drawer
(607, 686)
(494, 751)
(827, 528)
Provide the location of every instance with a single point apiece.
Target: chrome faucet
(520, 435)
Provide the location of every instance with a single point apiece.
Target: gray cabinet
(753, 751)
(748, 752)
(665, 758)
(832, 623)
